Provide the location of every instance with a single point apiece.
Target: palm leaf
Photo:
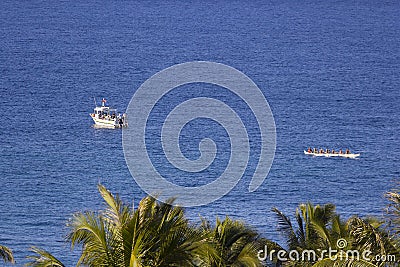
(368, 235)
(43, 259)
(90, 230)
(394, 211)
(237, 244)
(285, 227)
(116, 211)
(6, 254)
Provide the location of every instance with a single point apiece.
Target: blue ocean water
(330, 72)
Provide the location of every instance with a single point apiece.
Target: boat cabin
(102, 112)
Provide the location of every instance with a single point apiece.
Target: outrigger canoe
(343, 155)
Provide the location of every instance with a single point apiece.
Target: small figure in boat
(321, 151)
(315, 151)
(309, 150)
(340, 151)
(333, 151)
(347, 151)
(327, 151)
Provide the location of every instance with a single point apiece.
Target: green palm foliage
(235, 243)
(312, 227)
(6, 254)
(155, 234)
(394, 211)
(158, 234)
(369, 235)
(320, 230)
(42, 258)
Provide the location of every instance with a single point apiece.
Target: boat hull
(106, 123)
(328, 155)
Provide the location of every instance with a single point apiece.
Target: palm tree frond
(43, 259)
(6, 254)
(285, 227)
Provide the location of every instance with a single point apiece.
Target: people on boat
(309, 149)
(327, 151)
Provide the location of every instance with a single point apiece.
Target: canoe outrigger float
(343, 155)
(108, 117)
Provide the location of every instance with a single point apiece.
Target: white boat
(108, 117)
(343, 155)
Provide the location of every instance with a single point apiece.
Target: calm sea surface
(330, 72)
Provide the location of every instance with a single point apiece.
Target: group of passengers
(106, 116)
(327, 151)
